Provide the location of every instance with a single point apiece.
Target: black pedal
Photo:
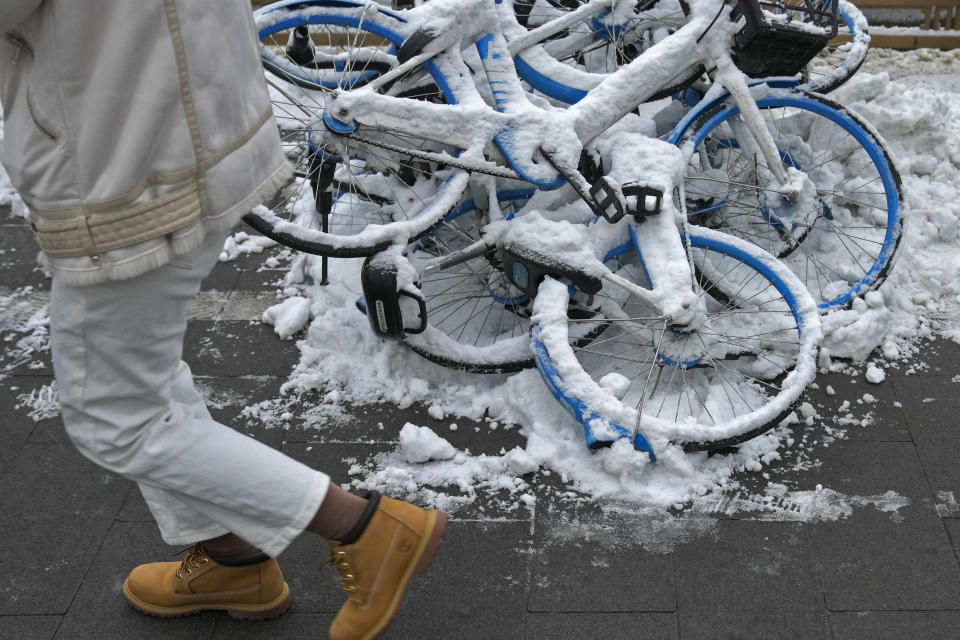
(607, 199)
(527, 268)
(380, 292)
(642, 201)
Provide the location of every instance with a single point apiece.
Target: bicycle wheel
(731, 380)
(477, 320)
(567, 66)
(355, 192)
(843, 56)
(841, 239)
(571, 63)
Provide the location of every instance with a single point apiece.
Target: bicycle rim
(348, 198)
(840, 239)
(734, 378)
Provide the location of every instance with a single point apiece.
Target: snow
(288, 317)
(421, 444)
(874, 374)
(242, 243)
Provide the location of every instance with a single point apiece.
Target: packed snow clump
(288, 317)
(421, 444)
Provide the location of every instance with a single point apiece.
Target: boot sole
(267, 611)
(424, 556)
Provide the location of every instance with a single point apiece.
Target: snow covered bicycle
(378, 136)
(841, 244)
(591, 49)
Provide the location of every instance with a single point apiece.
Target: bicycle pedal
(642, 201)
(608, 199)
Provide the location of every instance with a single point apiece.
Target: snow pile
(241, 243)
(288, 317)
(42, 403)
(918, 118)
(421, 444)
(24, 329)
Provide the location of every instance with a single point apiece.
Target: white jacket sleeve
(13, 12)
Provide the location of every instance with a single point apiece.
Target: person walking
(138, 133)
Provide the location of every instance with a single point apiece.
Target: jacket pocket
(43, 123)
(24, 54)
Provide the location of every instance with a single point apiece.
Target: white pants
(129, 405)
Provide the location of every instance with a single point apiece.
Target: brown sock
(231, 550)
(338, 514)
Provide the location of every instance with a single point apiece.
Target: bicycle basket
(779, 37)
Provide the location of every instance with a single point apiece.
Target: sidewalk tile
(253, 278)
(28, 627)
(294, 625)
(580, 564)
(134, 508)
(887, 423)
(861, 559)
(16, 424)
(480, 568)
(228, 397)
(237, 348)
(100, 610)
(761, 567)
(856, 468)
(953, 529)
(18, 257)
(382, 422)
(223, 278)
(609, 626)
(935, 358)
(895, 625)
(57, 507)
(873, 562)
(756, 624)
(474, 589)
(932, 407)
(335, 459)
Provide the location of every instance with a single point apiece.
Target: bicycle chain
(443, 158)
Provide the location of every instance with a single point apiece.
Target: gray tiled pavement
(69, 532)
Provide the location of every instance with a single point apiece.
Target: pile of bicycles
(650, 201)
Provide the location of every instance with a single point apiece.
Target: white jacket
(133, 128)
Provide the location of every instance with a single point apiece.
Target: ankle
(233, 551)
(342, 516)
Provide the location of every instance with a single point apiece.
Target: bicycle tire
(565, 77)
(367, 197)
(841, 243)
(476, 322)
(566, 67)
(760, 380)
(838, 61)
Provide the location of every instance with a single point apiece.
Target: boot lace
(341, 561)
(195, 558)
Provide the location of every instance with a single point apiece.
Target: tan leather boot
(398, 540)
(198, 583)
